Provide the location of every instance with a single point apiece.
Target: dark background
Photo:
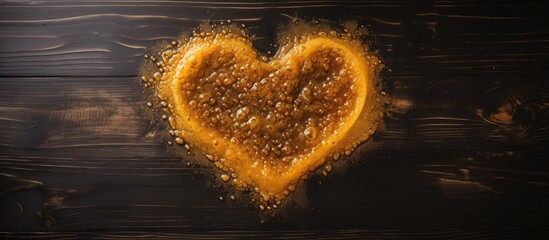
(463, 154)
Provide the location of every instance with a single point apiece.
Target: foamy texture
(268, 123)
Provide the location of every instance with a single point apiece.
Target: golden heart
(267, 123)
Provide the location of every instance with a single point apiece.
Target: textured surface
(463, 154)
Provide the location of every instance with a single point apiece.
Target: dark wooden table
(463, 155)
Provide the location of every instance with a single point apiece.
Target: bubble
(228, 81)
(254, 123)
(328, 168)
(310, 133)
(265, 197)
(242, 113)
(225, 177)
(204, 97)
(157, 76)
(291, 188)
(325, 173)
(286, 150)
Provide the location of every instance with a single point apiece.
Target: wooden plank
(432, 191)
(108, 38)
(89, 141)
(425, 113)
(272, 234)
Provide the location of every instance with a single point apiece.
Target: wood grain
(108, 38)
(462, 155)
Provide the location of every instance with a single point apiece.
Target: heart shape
(267, 123)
